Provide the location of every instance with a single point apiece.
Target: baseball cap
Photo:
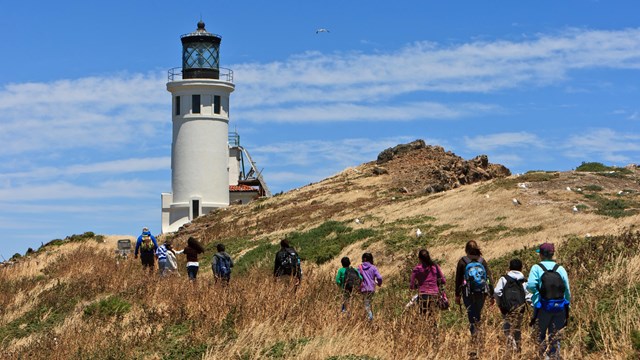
(546, 248)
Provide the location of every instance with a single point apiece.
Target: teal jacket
(340, 276)
(535, 281)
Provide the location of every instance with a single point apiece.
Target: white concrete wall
(234, 166)
(244, 196)
(200, 149)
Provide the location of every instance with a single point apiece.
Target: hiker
(347, 279)
(172, 262)
(549, 285)
(192, 250)
(287, 263)
(473, 280)
(370, 277)
(161, 255)
(512, 296)
(146, 245)
(426, 277)
(221, 265)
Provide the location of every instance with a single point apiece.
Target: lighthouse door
(195, 208)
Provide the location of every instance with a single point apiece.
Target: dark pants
(474, 304)
(512, 329)
(192, 271)
(147, 259)
(428, 303)
(550, 324)
(346, 299)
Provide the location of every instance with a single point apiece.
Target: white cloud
(340, 153)
(606, 144)
(508, 160)
(70, 191)
(480, 66)
(134, 165)
(365, 112)
(500, 140)
(83, 113)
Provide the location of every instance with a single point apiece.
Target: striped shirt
(161, 252)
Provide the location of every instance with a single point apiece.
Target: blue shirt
(139, 242)
(535, 281)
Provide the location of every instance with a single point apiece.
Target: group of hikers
(148, 249)
(546, 290)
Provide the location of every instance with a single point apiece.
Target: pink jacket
(425, 279)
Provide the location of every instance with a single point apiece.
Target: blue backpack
(223, 266)
(475, 276)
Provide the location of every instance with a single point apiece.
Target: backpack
(352, 279)
(475, 276)
(223, 266)
(551, 289)
(290, 262)
(513, 295)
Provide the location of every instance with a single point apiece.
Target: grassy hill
(74, 299)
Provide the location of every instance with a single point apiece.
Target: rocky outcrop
(418, 167)
(391, 153)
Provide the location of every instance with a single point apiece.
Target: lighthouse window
(177, 112)
(195, 104)
(216, 104)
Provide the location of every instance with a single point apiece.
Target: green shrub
(281, 349)
(111, 306)
(593, 188)
(599, 167)
(325, 242)
(635, 340)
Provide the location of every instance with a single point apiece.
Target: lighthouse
(200, 92)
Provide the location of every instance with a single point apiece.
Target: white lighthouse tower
(200, 148)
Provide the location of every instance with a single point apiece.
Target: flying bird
(418, 233)
(321, 30)
(516, 202)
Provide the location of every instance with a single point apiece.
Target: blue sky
(85, 122)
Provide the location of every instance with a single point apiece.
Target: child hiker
(370, 277)
(473, 280)
(512, 295)
(426, 276)
(347, 279)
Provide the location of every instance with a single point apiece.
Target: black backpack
(552, 287)
(351, 279)
(513, 295)
(290, 262)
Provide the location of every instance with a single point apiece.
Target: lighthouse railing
(175, 74)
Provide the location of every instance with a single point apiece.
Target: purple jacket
(426, 279)
(370, 276)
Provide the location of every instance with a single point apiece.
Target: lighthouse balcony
(224, 74)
